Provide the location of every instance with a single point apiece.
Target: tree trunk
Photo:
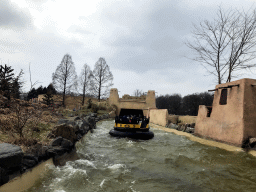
(83, 95)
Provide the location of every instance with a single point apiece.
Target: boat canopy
(136, 112)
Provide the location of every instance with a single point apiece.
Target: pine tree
(6, 80)
(48, 98)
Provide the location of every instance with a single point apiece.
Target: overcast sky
(141, 41)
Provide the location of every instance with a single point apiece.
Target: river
(168, 162)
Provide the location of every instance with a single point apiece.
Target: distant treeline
(187, 105)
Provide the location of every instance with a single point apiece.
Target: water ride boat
(133, 124)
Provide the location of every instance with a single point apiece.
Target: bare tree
(85, 80)
(32, 84)
(65, 78)
(138, 93)
(243, 41)
(102, 78)
(226, 44)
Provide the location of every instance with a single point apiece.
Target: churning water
(168, 162)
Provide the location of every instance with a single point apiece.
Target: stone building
(232, 117)
(128, 102)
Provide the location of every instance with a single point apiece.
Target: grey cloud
(78, 29)
(151, 36)
(12, 16)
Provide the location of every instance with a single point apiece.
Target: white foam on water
(130, 143)
(86, 162)
(68, 171)
(102, 182)
(80, 164)
(116, 166)
(162, 133)
(133, 189)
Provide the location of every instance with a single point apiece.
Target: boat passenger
(134, 120)
(125, 119)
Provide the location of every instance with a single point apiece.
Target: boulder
(79, 136)
(93, 114)
(10, 156)
(252, 142)
(173, 126)
(28, 163)
(38, 151)
(91, 122)
(4, 177)
(66, 144)
(83, 130)
(77, 118)
(185, 127)
(66, 131)
(56, 150)
(61, 121)
(31, 157)
(57, 141)
(62, 142)
(83, 116)
(190, 130)
(78, 124)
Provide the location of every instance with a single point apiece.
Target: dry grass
(26, 125)
(71, 102)
(40, 122)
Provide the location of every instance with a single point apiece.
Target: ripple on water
(168, 162)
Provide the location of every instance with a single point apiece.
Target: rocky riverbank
(13, 161)
(184, 127)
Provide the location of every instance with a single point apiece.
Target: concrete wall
(148, 103)
(249, 115)
(159, 116)
(234, 121)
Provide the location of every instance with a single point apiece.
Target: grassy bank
(26, 124)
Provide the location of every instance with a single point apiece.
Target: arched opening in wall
(223, 97)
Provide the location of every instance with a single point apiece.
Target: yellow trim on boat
(130, 125)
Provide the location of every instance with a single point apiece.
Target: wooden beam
(212, 90)
(229, 86)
